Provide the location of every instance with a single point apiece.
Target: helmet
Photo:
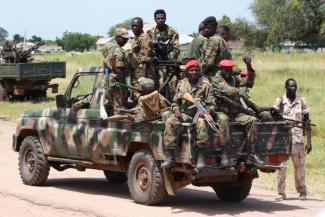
(147, 84)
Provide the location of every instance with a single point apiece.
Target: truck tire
(115, 176)
(33, 166)
(3, 93)
(235, 194)
(146, 183)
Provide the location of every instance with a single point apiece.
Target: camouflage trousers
(247, 120)
(298, 157)
(174, 130)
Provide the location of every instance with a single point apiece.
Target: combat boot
(254, 158)
(200, 163)
(169, 160)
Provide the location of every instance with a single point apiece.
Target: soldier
(295, 107)
(214, 49)
(9, 53)
(224, 32)
(115, 60)
(195, 50)
(164, 41)
(199, 87)
(226, 83)
(140, 53)
(151, 102)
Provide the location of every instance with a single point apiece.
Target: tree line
(299, 21)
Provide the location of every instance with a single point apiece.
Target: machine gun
(23, 56)
(201, 111)
(175, 70)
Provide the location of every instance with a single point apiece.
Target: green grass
(272, 70)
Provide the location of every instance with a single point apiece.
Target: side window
(83, 86)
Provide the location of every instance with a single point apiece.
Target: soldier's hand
(308, 148)
(177, 112)
(243, 94)
(247, 60)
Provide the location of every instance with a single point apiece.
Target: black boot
(200, 164)
(169, 160)
(254, 158)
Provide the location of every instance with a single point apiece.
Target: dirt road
(72, 193)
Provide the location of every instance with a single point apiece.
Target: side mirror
(60, 101)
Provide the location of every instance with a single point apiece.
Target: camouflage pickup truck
(131, 151)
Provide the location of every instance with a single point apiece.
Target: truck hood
(49, 112)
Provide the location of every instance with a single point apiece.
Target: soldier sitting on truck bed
(151, 102)
(227, 84)
(199, 87)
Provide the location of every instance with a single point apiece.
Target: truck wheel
(146, 183)
(115, 177)
(3, 93)
(33, 166)
(235, 194)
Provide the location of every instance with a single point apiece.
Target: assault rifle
(279, 116)
(232, 103)
(201, 111)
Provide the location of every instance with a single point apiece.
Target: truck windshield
(83, 85)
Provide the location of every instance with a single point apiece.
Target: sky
(49, 19)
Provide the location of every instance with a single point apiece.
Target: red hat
(191, 64)
(227, 64)
(244, 72)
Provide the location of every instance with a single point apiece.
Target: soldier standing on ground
(227, 84)
(295, 107)
(164, 41)
(200, 88)
(115, 60)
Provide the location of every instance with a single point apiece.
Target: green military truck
(131, 151)
(19, 76)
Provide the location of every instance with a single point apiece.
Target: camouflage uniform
(173, 124)
(155, 35)
(214, 50)
(115, 57)
(226, 112)
(293, 110)
(139, 53)
(195, 50)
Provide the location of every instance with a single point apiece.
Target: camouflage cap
(122, 32)
(147, 84)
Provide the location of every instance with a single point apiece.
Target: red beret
(191, 64)
(227, 63)
(244, 72)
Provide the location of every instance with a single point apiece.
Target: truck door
(76, 122)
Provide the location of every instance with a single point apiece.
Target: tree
(35, 39)
(3, 34)
(75, 41)
(294, 20)
(124, 24)
(17, 38)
